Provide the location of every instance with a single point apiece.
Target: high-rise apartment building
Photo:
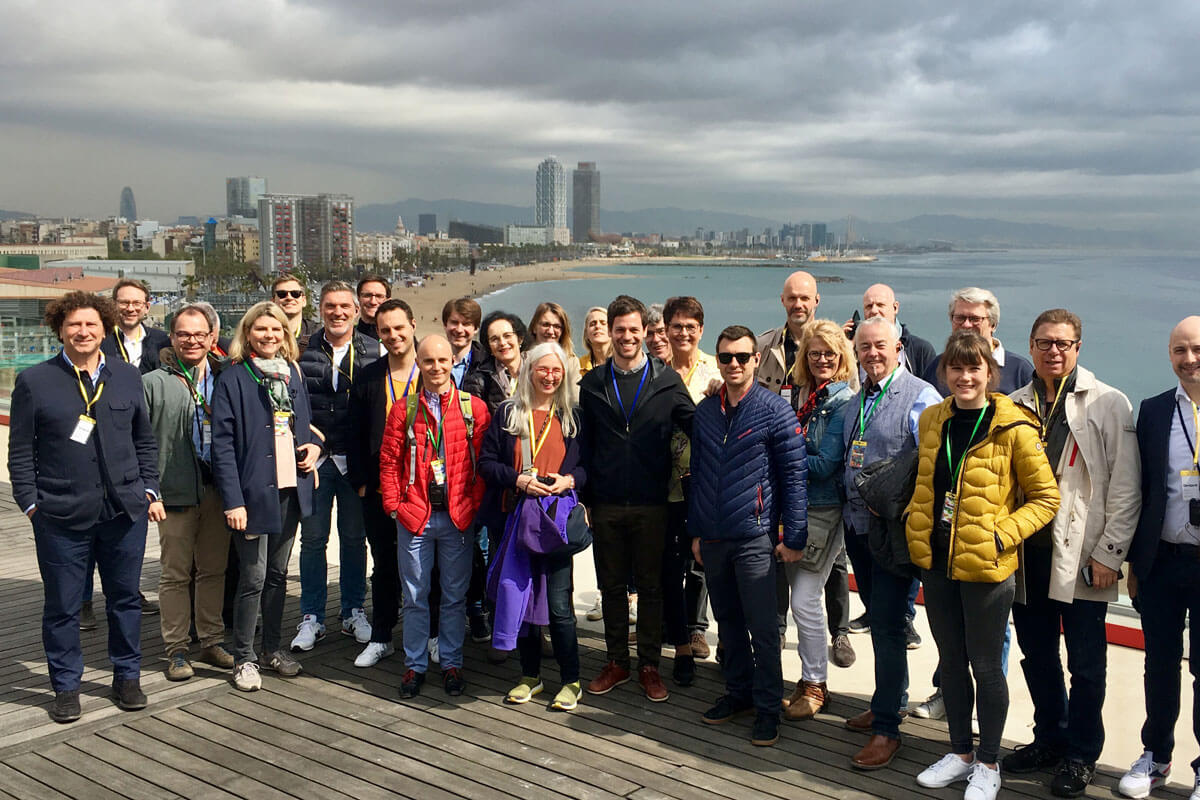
(426, 224)
(306, 230)
(550, 208)
(818, 236)
(242, 194)
(128, 206)
(585, 209)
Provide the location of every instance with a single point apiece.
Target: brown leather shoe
(609, 678)
(864, 722)
(812, 700)
(878, 753)
(652, 684)
(700, 647)
(796, 694)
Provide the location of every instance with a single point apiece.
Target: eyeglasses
(964, 319)
(822, 355)
(690, 328)
(1061, 345)
(742, 358)
(553, 325)
(190, 337)
(372, 296)
(295, 294)
(549, 371)
(131, 303)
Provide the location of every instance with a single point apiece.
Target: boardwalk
(338, 731)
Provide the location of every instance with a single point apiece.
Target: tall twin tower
(550, 208)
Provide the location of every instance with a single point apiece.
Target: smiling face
(627, 336)
(684, 334)
(395, 331)
(190, 337)
(823, 360)
(972, 317)
(503, 342)
(880, 301)
(878, 350)
(434, 360)
(1185, 354)
(737, 375)
(292, 300)
(370, 297)
(459, 331)
(548, 373)
(658, 344)
(265, 336)
(1054, 363)
(81, 333)
(131, 306)
(337, 313)
(968, 383)
(548, 328)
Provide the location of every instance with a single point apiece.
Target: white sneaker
(1144, 775)
(1195, 795)
(434, 652)
(373, 653)
(945, 772)
(246, 677)
(596, 612)
(310, 632)
(357, 626)
(984, 783)
(933, 708)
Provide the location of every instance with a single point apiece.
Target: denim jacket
(826, 448)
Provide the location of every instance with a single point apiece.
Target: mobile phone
(855, 318)
(545, 480)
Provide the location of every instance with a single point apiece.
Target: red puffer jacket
(410, 503)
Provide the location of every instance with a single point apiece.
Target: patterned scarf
(275, 372)
(810, 405)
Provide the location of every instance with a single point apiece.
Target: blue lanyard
(633, 407)
(407, 384)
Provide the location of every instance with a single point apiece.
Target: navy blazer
(63, 478)
(1154, 440)
(243, 447)
(156, 339)
(368, 418)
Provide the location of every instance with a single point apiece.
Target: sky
(1076, 113)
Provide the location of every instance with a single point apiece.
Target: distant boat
(848, 257)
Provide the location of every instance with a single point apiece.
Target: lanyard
(1195, 448)
(537, 440)
(87, 404)
(954, 470)
(870, 412)
(257, 379)
(407, 385)
(633, 407)
(198, 391)
(338, 367)
(1037, 404)
(121, 343)
(429, 428)
(687, 381)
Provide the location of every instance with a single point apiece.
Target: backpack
(464, 406)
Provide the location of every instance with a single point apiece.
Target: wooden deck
(338, 731)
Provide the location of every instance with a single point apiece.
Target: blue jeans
(889, 609)
(562, 626)
(314, 538)
(451, 548)
(64, 559)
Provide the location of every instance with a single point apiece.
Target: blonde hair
(240, 349)
(564, 338)
(522, 400)
(834, 337)
(589, 348)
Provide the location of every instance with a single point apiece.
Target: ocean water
(1128, 301)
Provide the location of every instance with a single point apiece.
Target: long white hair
(522, 401)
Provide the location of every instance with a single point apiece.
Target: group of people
(478, 460)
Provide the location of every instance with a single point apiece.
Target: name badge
(205, 435)
(83, 429)
(439, 471)
(1190, 479)
(785, 392)
(858, 453)
(283, 423)
(949, 505)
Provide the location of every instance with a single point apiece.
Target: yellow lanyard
(87, 404)
(535, 444)
(120, 344)
(1037, 402)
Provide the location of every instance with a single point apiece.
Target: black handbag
(886, 486)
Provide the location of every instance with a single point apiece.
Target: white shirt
(133, 347)
(1180, 456)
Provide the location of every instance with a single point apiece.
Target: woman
(825, 367)
(263, 451)
(496, 378)
(597, 344)
(549, 323)
(540, 419)
(983, 486)
(684, 594)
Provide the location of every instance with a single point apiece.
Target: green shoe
(524, 691)
(567, 697)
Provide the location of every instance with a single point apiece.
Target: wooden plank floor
(338, 731)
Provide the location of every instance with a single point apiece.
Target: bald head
(435, 359)
(800, 300)
(1185, 355)
(880, 301)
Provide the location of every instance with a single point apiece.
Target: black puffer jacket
(331, 409)
(482, 382)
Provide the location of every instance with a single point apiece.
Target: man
(879, 300)
(381, 386)
(881, 422)
(778, 348)
(749, 470)
(1165, 557)
(1069, 569)
(131, 340)
(429, 485)
(288, 293)
(82, 462)
(975, 309)
(460, 319)
(628, 407)
(372, 290)
(193, 538)
(336, 355)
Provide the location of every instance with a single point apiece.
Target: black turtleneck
(958, 430)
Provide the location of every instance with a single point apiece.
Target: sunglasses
(742, 358)
(293, 293)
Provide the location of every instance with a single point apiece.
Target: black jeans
(889, 604)
(1169, 594)
(741, 587)
(676, 554)
(696, 591)
(860, 559)
(385, 575)
(630, 538)
(263, 581)
(562, 626)
(1076, 724)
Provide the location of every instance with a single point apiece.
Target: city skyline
(1069, 114)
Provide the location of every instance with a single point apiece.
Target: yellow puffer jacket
(992, 518)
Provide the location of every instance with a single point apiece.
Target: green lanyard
(870, 412)
(949, 460)
(429, 429)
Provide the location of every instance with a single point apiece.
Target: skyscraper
(585, 209)
(241, 196)
(306, 230)
(426, 224)
(128, 206)
(550, 208)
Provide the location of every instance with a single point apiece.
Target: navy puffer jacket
(750, 472)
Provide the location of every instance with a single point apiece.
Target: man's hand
(1102, 576)
(31, 512)
(311, 453)
(787, 555)
(156, 513)
(362, 491)
(696, 552)
(235, 518)
(714, 386)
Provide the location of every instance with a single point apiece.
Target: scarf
(276, 372)
(810, 405)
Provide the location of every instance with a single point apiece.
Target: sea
(1128, 301)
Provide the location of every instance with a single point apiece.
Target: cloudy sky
(1080, 113)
